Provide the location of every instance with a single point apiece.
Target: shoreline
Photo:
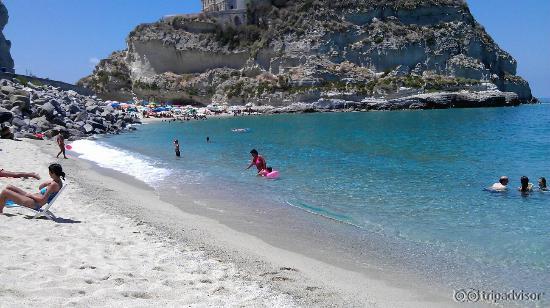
(303, 276)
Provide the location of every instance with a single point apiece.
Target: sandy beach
(116, 243)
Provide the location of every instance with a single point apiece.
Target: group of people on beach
(526, 186)
(47, 190)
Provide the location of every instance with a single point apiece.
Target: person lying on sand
(48, 191)
(10, 174)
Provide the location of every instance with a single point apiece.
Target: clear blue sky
(61, 39)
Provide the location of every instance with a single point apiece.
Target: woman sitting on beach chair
(48, 191)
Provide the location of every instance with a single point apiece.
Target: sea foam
(133, 164)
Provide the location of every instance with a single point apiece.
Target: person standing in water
(258, 161)
(61, 143)
(207, 139)
(177, 147)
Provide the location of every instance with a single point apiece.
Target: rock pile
(48, 110)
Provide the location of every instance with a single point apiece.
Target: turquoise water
(417, 177)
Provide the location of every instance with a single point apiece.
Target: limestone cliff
(6, 61)
(312, 50)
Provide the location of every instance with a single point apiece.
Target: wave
(133, 164)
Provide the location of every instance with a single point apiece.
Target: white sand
(91, 258)
(118, 244)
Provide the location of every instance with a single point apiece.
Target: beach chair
(45, 210)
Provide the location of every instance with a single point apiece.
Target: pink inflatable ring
(272, 175)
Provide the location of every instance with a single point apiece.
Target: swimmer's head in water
(524, 183)
(503, 180)
(542, 182)
(254, 152)
(269, 169)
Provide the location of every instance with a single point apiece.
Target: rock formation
(48, 110)
(6, 61)
(363, 52)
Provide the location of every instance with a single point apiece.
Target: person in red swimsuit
(258, 161)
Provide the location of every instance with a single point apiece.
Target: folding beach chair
(45, 210)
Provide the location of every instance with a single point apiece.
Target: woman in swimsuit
(48, 191)
(258, 161)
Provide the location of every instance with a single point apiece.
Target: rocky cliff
(6, 62)
(311, 51)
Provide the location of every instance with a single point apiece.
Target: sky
(64, 39)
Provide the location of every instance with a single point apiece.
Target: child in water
(265, 171)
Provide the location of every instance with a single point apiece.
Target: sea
(416, 179)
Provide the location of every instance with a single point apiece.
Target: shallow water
(417, 177)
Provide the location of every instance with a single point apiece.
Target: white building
(227, 12)
(223, 5)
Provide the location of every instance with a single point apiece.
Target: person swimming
(258, 161)
(501, 185)
(47, 191)
(542, 184)
(525, 185)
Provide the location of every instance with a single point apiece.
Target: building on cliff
(232, 12)
(222, 5)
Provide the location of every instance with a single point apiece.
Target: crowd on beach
(525, 187)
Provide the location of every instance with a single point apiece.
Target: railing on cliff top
(37, 81)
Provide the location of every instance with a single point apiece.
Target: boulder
(41, 123)
(96, 124)
(48, 109)
(73, 108)
(21, 101)
(91, 109)
(7, 90)
(88, 128)
(81, 116)
(18, 122)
